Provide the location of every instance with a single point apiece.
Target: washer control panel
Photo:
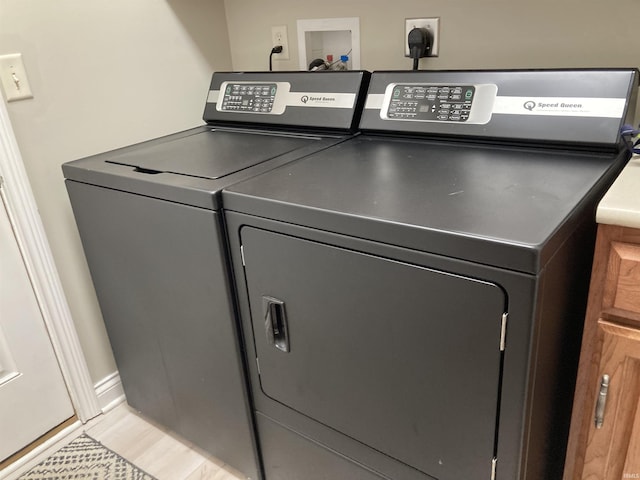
(253, 97)
(454, 103)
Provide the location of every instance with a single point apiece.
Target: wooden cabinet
(609, 371)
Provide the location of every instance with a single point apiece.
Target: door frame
(38, 258)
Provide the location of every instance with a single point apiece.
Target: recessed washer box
(320, 37)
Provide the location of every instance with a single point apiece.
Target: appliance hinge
(494, 468)
(503, 332)
(258, 364)
(242, 255)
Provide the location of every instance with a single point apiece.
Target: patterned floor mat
(85, 459)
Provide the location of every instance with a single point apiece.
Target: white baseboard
(110, 392)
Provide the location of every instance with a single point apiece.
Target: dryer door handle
(275, 323)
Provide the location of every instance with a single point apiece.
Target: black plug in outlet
(276, 49)
(420, 41)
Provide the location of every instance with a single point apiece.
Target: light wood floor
(151, 449)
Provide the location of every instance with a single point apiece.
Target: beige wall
(474, 33)
(104, 73)
(107, 73)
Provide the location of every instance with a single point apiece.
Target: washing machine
(412, 299)
(150, 221)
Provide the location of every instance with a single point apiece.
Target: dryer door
(402, 358)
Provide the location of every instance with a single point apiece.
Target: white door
(33, 396)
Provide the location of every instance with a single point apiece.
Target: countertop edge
(621, 204)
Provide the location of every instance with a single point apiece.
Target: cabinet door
(613, 448)
(402, 358)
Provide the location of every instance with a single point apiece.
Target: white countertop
(621, 204)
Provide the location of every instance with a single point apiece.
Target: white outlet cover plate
(431, 24)
(276, 32)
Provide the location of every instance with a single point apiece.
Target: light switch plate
(14, 78)
(431, 24)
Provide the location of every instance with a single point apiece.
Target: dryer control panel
(459, 103)
(569, 107)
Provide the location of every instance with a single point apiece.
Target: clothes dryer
(413, 299)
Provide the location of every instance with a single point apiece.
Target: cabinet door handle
(602, 400)
(275, 323)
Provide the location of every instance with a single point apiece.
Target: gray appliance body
(150, 220)
(412, 299)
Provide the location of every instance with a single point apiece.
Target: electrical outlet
(279, 37)
(14, 78)
(431, 24)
